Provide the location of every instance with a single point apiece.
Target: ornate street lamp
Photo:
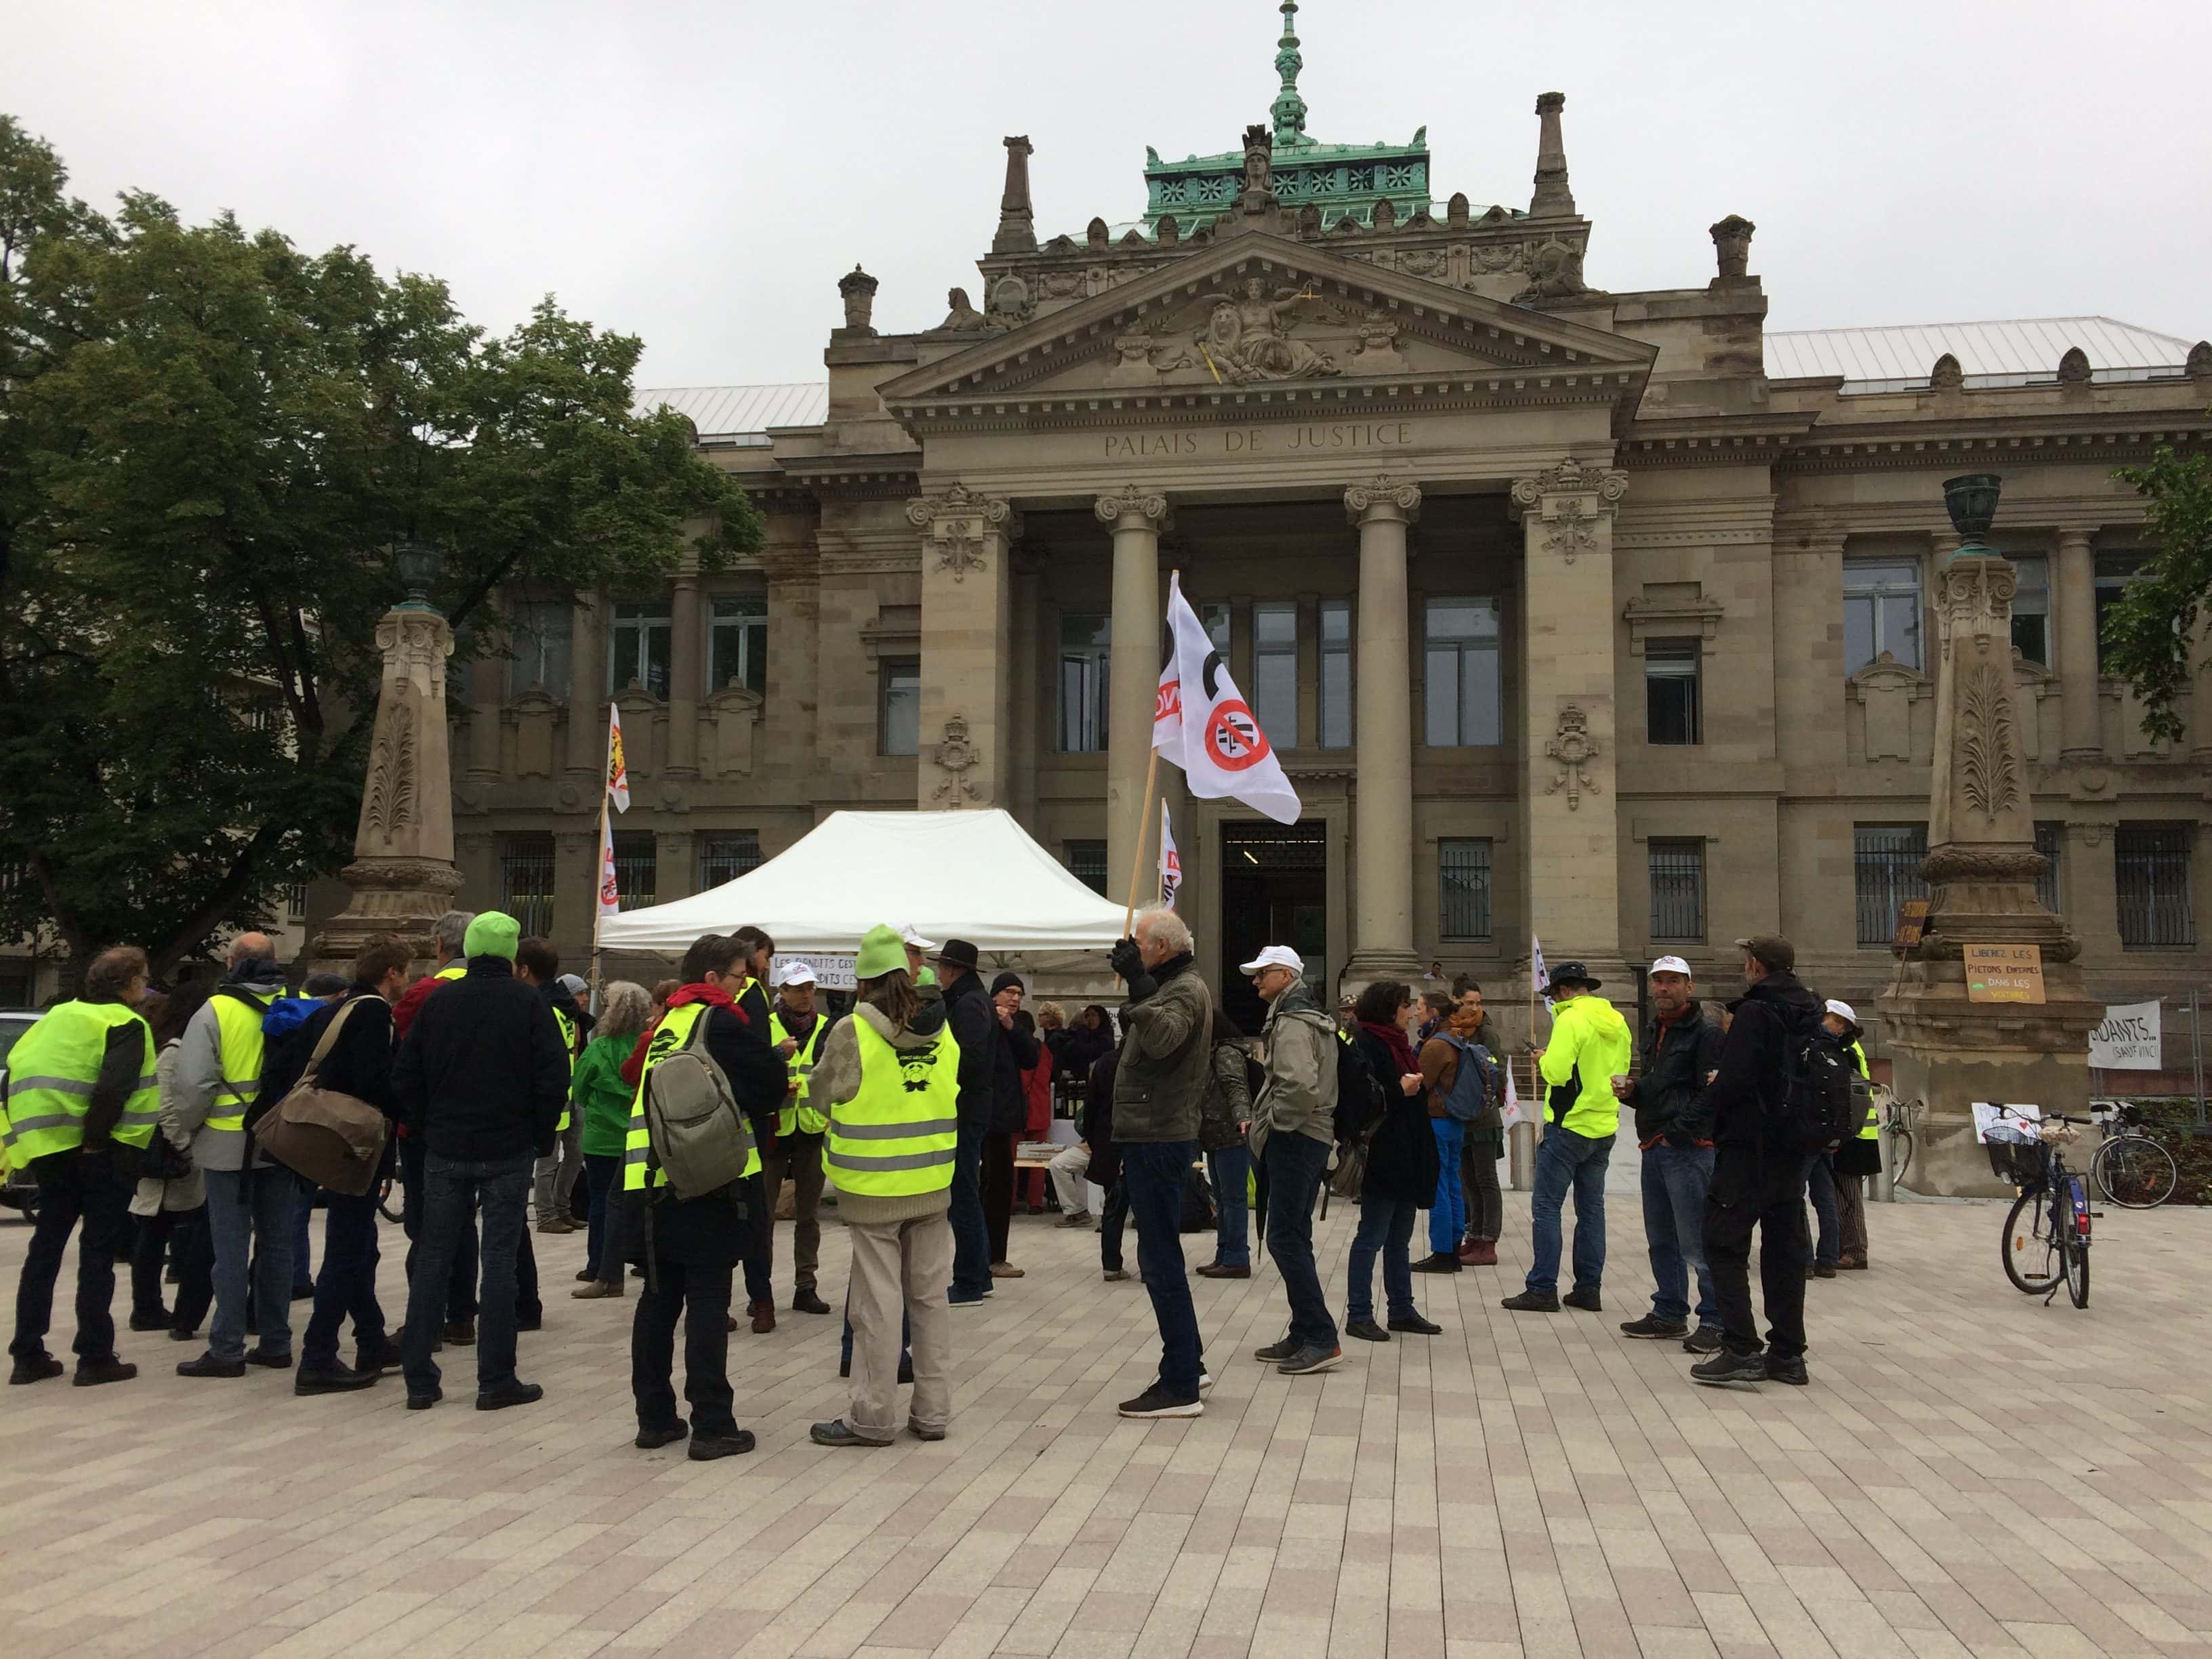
(1971, 501)
(417, 564)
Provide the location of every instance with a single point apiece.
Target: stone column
(794, 619)
(966, 592)
(487, 691)
(2081, 739)
(1138, 516)
(1569, 810)
(687, 676)
(588, 734)
(2200, 701)
(1382, 805)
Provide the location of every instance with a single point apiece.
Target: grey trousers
(798, 1158)
(900, 1268)
(555, 1177)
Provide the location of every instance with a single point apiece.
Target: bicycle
(2047, 1232)
(1897, 1123)
(2131, 1169)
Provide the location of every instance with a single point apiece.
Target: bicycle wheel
(2077, 1271)
(2134, 1172)
(1901, 1157)
(2032, 1259)
(387, 1201)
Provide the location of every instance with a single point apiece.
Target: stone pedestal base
(1366, 967)
(404, 896)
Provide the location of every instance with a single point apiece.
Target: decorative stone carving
(1946, 375)
(388, 805)
(1137, 499)
(1569, 500)
(961, 314)
(732, 720)
(1668, 614)
(1386, 216)
(1424, 261)
(1017, 232)
(1987, 772)
(1732, 246)
(1381, 490)
(2198, 365)
(2073, 366)
(1378, 351)
(1094, 234)
(1555, 272)
(1259, 164)
(1309, 220)
(1973, 603)
(1886, 690)
(1456, 209)
(1167, 233)
(956, 522)
(1249, 338)
(1011, 302)
(954, 756)
(1574, 748)
(858, 291)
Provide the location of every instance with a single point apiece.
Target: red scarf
(1393, 1039)
(697, 991)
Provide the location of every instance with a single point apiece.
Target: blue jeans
(1228, 1169)
(250, 1216)
(346, 1283)
(1296, 1165)
(1385, 1224)
(1564, 1160)
(602, 1171)
(1674, 1183)
(1153, 1171)
(1448, 1214)
(454, 1189)
(1820, 1183)
(971, 1236)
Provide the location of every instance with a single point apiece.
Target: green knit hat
(926, 976)
(882, 952)
(493, 933)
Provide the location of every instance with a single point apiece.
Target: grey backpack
(694, 1133)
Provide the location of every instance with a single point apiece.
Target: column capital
(1134, 502)
(1382, 498)
(2076, 536)
(958, 521)
(1601, 487)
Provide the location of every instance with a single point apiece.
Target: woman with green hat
(889, 1079)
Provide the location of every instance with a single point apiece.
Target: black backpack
(1815, 1110)
(1360, 1103)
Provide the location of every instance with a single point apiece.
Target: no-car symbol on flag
(1233, 736)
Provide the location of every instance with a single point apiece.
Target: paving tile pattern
(1971, 1473)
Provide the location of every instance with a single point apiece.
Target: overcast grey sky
(702, 174)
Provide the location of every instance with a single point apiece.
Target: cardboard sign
(831, 973)
(2127, 1039)
(2004, 973)
(1912, 918)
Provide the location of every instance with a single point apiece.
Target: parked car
(18, 1191)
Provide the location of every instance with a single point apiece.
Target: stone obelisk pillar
(403, 874)
(1947, 1050)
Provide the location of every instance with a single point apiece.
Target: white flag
(617, 770)
(1512, 1112)
(1202, 722)
(1541, 979)
(610, 894)
(1170, 861)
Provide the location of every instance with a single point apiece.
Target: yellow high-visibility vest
(52, 1070)
(238, 1023)
(1871, 1129)
(896, 1137)
(673, 1033)
(568, 1047)
(798, 1115)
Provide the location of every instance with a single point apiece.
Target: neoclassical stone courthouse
(1600, 614)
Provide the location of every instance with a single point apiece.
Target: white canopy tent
(975, 876)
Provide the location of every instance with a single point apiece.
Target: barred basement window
(726, 854)
(1886, 861)
(2151, 871)
(1086, 862)
(2049, 838)
(1677, 891)
(1463, 889)
(637, 868)
(526, 880)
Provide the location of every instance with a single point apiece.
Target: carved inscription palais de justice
(1303, 440)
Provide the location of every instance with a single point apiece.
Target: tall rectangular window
(1674, 710)
(739, 648)
(540, 639)
(2151, 871)
(637, 645)
(2114, 572)
(1881, 611)
(526, 880)
(1678, 891)
(1463, 888)
(2049, 839)
(1464, 708)
(1886, 861)
(899, 706)
(2031, 607)
(1087, 652)
(1086, 862)
(1215, 619)
(637, 868)
(1336, 673)
(1275, 671)
(726, 854)
(295, 904)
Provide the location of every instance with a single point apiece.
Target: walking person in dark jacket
(482, 1076)
(1403, 1165)
(1104, 1170)
(763, 1105)
(1674, 1127)
(1013, 1051)
(1756, 1184)
(1222, 1124)
(973, 1020)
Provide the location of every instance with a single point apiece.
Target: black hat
(1009, 980)
(1573, 973)
(956, 953)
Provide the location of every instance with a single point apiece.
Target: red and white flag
(1170, 861)
(1202, 722)
(609, 892)
(617, 770)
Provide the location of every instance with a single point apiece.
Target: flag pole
(1143, 833)
(599, 876)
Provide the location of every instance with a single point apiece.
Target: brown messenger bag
(336, 1140)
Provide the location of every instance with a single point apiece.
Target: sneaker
(920, 1433)
(91, 1373)
(1791, 1371)
(1007, 1270)
(332, 1379)
(654, 1439)
(598, 1290)
(1275, 1352)
(1531, 1302)
(1586, 1300)
(383, 1359)
(510, 1394)
(1308, 1361)
(208, 1365)
(807, 1302)
(964, 1298)
(841, 1433)
(1705, 1340)
(1415, 1324)
(1081, 1218)
(1157, 1402)
(1731, 1371)
(159, 1320)
(461, 1333)
(1217, 1270)
(39, 1367)
(1367, 1331)
(1441, 1262)
(1115, 1275)
(1653, 1329)
(706, 1447)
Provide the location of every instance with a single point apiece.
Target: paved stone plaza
(1970, 1472)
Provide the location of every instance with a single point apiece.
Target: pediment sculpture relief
(1248, 336)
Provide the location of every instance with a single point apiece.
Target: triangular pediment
(1255, 313)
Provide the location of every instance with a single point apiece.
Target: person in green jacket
(601, 1101)
(1589, 1047)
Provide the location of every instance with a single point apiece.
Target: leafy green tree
(2148, 632)
(209, 443)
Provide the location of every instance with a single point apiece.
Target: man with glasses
(1293, 1130)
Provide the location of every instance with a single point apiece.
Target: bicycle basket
(2016, 1154)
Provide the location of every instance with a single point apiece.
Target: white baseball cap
(912, 935)
(795, 973)
(1275, 956)
(1842, 1010)
(1672, 965)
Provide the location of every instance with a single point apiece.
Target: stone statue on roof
(962, 315)
(1249, 338)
